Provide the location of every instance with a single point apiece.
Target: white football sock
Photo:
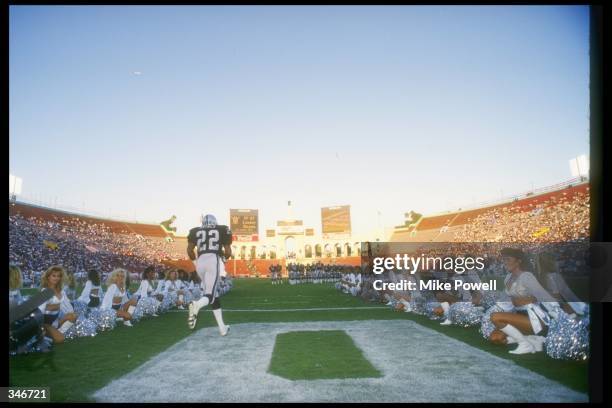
(219, 318)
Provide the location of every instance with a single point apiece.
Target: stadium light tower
(579, 166)
(14, 187)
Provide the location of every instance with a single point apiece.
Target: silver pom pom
(138, 312)
(86, 327)
(71, 333)
(172, 298)
(489, 299)
(169, 302)
(418, 305)
(486, 325)
(465, 314)
(148, 305)
(105, 319)
(567, 338)
(187, 297)
(80, 308)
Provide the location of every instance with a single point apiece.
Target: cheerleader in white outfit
(92, 291)
(533, 303)
(116, 297)
(145, 290)
(552, 280)
(159, 288)
(174, 285)
(58, 312)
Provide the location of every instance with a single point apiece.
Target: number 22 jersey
(210, 240)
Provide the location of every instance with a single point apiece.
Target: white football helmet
(209, 221)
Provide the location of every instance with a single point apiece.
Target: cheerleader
(159, 287)
(188, 285)
(15, 283)
(58, 312)
(116, 296)
(552, 280)
(174, 285)
(92, 290)
(529, 299)
(145, 290)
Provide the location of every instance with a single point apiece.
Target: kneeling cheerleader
(534, 307)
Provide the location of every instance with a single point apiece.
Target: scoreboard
(336, 220)
(244, 225)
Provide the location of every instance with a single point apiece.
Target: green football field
(74, 371)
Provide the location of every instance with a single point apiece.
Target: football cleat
(224, 332)
(193, 315)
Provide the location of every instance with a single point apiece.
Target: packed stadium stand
(564, 197)
(29, 211)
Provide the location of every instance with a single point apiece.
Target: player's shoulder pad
(193, 232)
(194, 229)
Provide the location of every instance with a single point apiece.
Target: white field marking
(287, 310)
(418, 365)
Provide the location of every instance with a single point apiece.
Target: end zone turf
(321, 354)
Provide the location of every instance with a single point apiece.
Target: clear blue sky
(388, 109)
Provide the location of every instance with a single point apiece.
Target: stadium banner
(290, 227)
(244, 225)
(336, 222)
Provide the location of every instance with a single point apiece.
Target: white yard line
(418, 365)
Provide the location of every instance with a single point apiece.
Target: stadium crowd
(78, 246)
(553, 221)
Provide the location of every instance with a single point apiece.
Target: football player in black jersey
(208, 245)
(272, 270)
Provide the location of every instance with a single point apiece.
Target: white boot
(537, 342)
(524, 345)
(510, 340)
(445, 307)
